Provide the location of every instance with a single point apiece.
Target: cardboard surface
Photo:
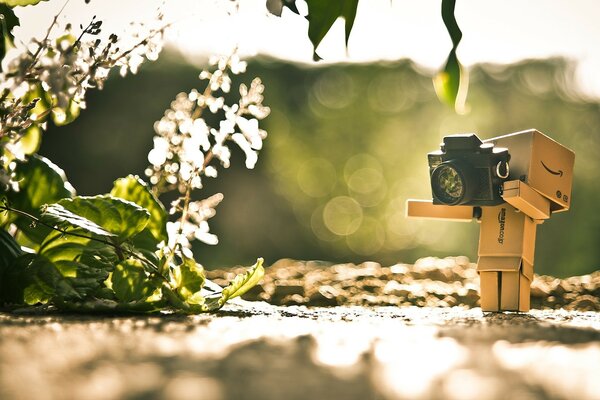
(488, 293)
(499, 264)
(426, 209)
(522, 197)
(506, 232)
(544, 164)
(527, 270)
(510, 293)
(524, 293)
(504, 291)
(505, 264)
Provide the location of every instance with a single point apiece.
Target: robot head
(467, 171)
(543, 164)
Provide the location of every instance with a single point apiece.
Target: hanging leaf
(322, 15)
(133, 189)
(451, 83)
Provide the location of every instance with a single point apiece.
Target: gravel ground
(430, 282)
(367, 348)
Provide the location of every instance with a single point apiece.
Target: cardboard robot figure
(509, 184)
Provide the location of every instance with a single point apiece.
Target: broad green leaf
(130, 281)
(44, 279)
(451, 83)
(9, 249)
(32, 279)
(57, 214)
(40, 182)
(321, 16)
(240, 284)
(8, 22)
(14, 3)
(84, 262)
(121, 218)
(188, 280)
(133, 189)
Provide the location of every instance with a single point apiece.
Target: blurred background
(347, 147)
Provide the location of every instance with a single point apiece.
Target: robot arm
(426, 209)
(522, 197)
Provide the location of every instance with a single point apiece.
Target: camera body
(467, 171)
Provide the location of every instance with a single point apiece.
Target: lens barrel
(452, 183)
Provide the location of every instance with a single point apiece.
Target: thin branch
(42, 43)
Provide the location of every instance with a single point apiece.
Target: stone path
(253, 350)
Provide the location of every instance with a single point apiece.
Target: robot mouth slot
(558, 173)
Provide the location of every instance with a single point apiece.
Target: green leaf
(240, 284)
(32, 139)
(83, 262)
(40, 182)
(130, 281)
(321, 16)
(8, 22)
(188, 280)
(57, 214)
(451, 83)
(64, 116)
(118, 217)
(31, 280)
(13, 3)
(133, 189)
(9, 249)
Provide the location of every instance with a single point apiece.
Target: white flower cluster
(195, 225)
(185, 144)
(56, 72)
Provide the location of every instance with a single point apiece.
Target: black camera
(466, 171)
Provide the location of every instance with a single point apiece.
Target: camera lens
(450, 184)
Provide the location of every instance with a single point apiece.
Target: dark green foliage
(90, 259)
(41, 182)
(130, 281)
(133, 189)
